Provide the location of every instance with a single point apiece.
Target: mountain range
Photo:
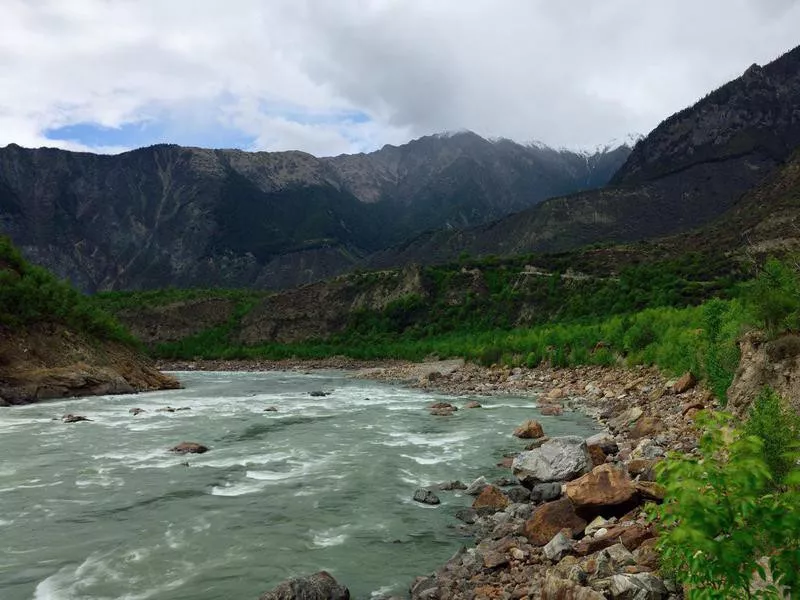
(168, 215)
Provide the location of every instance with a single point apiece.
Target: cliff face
(168, 215)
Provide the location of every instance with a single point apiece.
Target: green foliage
(774, 297)
(721, 353)
(30, 295)
(778, 427)
(721, 515)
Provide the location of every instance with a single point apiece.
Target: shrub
(774, 297)
(778, 427)
(721, 516)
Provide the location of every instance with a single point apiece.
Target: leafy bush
(778, 427)
(774, 297)
(721, 515)
(30, 294)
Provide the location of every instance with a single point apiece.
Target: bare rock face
(319, 586)
(774, 363)
(606, 485)
(560, 459)
(47, 361)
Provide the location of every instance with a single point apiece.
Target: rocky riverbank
(569, 522)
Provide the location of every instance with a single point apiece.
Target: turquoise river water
(103, 510)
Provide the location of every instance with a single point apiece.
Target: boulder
(440, 405)
(639, 586)
(271, 409)
(560, 459)
(549, 519)
(597, 454)
(468, 515)
(626, 418)
(642, 468)
(556, 548)
(476, 487)
(490, 500)
(189, 448)
(319, 586)
(518, 494)
(493, 559)
(685, 383)
(646, 554)
(596, 525)
(530, 429)
(448, 486)
(424, 496)
(70, 418)
(472, 404)
(650, 490)
(555, 588)
(605, 441)
(646, 427)
(550, 410)
(442, 412)
(136, 411)
(545, 492)
(630, 536)
(318, 394)
(606, 485)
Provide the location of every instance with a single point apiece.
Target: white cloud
(289, 73)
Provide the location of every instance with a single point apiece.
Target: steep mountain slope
(689, 170)
(167, 215)
(55, 343)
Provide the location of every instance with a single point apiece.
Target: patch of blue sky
(147, 133)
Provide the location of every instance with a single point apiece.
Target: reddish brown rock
(692, 405)
(506, 462)
(650, 490)
(189, 448)
(646, 554)
(442, 412)
(630, 536)
(490, 500)
(549, 519)
(597, 454)
(646, 427)
(641, 466)
(472, 404)
(530, 429)
(685, 383)
(440, 405)
(551, 410)
(606, 485)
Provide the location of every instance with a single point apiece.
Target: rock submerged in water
(189, 448)
(473, 404)
(530, 429)
(70, 418)
(136, 411)
(318, 394)
(319, 586)
(271, 409)
(424, 496)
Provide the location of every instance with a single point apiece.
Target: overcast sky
(333, 76)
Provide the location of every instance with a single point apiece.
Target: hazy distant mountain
(168, 215)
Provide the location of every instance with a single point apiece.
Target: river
(102, 509)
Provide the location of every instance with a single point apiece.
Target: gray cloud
(290, 73)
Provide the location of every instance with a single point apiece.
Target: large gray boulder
(560, 459)
(319, 586)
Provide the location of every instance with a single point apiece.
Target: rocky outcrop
(47, 361)
(319, 586)
(774, 363)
